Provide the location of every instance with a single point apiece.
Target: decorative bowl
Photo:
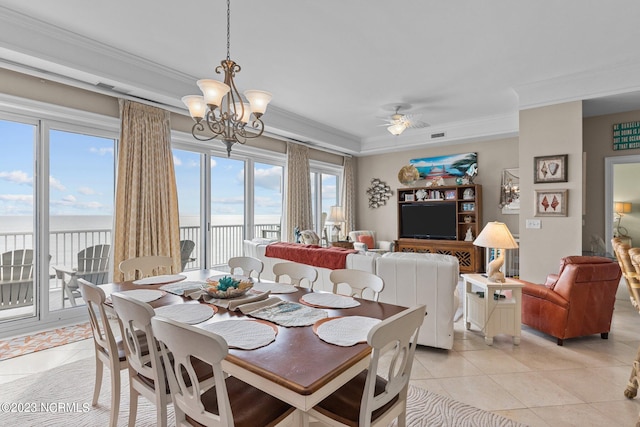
(227, 287)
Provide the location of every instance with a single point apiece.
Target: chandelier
(222, 111)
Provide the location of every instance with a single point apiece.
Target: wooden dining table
(298, 367)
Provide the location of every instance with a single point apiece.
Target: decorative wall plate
(408, 175)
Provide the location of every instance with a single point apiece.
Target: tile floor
(536, 383)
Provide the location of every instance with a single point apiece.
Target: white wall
(546, 131)
(625, 189)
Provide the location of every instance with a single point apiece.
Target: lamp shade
(247, 111)
(622, 207)
(197, 106)
(213, 91)
(259, 100)
(336, 214)
(496, 235)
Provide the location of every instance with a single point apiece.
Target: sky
(81, 177)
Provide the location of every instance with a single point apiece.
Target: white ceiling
(467, 66)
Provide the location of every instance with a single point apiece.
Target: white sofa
(429, 279)
(409, 279)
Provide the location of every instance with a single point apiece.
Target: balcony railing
(225, 242)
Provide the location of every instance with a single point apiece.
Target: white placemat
(275, 288)
(328, 300)
(156, 280)
(144, 295)
(186, 313)
(180, 287)
(346, 331)
(243, 334)
(288, 313)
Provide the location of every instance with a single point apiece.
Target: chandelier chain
(228, 28)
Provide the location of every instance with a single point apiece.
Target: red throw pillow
(367, 240)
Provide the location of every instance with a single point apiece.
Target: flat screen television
(429, 220)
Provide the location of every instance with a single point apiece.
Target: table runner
(286, 313)
(186, 313)
(332, 258)
(244, 334)
(345, 331)
(181, 287)
(228, 303)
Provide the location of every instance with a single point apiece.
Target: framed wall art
(551, 202)
(450, 166)
(550, 168)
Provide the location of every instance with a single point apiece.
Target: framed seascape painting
(550, 168)
(450, 166)
(551, 202)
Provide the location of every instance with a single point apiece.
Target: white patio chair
(109, 350)
(296, 272)
(93, 266)
(368, 399)
(362, 284)
(231, 402)
(16, 279)
(247, 264)
(146, 265)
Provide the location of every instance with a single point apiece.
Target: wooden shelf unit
(468, 200)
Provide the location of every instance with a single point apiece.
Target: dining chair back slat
(297, 273)
(362, 284)
(145, 266)
(250, 266)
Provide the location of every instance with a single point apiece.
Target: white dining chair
(247, 264)
(231, 402)
(146, 265)
(296, 272)
(362, 284)
(369, 399)
(109, 349)
(147, 377)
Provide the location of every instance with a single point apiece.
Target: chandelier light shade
(222, 111)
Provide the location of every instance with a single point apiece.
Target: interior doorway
(622, 190)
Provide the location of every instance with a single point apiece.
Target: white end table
(493, 315)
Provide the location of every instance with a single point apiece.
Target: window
(187, 166)
(267, 200)
(324, 194)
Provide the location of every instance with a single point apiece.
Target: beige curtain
(146, 210)
(347, 197)
(297, 192)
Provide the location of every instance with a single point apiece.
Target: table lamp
(621, 208)
(496, 235)
(336, 217)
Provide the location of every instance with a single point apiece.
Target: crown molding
(615, 79)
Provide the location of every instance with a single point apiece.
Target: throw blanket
(317, 256)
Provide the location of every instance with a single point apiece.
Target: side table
(493, 315)
(343, 244)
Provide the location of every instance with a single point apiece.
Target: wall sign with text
(626, 136)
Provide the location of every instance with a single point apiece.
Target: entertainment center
(443, 220)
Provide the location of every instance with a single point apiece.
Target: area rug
(20, 346)
(62, 397)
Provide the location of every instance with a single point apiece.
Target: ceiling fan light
(196, 105)
(259, 100)
(397, 129)
(213, 91)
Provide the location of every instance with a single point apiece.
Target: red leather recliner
(577, 301)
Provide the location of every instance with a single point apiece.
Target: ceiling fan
(398, 122)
